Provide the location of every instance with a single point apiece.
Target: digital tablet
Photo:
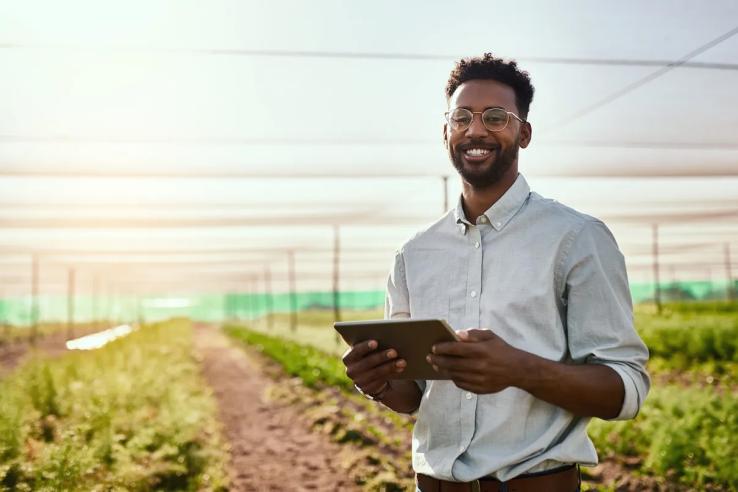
(412, 338)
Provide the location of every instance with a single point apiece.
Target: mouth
(473, 153)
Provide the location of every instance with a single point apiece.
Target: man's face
(483, 157)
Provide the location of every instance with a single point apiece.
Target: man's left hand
(481, 362)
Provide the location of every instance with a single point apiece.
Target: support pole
(95, 301)
(729, 272)
(268, 298)
(34, 298)
(336, 264)
(70, 303)
(657, 288)
(251, 314)
(293, 293)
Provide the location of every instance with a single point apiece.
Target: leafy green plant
(134, 415)
(310, 364)
(681, 432)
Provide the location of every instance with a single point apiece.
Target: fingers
(475, 335)
(454, 364)
(370, 361)
(369, 368)
(358, 351)
(463, 348)
(457, 349)
(378, 375)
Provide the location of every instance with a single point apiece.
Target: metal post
(250, 304)
(139, 307)
(70, 303)
(729, 272)
(34, 298)
(268, 298)
(657, 287)
(95, 299)
(293, 293)
(336, 263)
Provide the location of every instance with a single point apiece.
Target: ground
(271, 447)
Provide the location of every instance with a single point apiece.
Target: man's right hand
(371, 369)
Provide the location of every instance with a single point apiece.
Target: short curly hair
(490, 68)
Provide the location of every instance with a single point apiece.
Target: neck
(476, 201)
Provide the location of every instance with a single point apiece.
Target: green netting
(210, 307)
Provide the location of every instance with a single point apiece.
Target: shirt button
(461, 449)
(476, 244)
(483, 219)
(474, 293)
(498, 224)
(468, 396)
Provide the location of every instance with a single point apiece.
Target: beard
(484, 177)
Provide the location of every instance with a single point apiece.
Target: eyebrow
(485, 109)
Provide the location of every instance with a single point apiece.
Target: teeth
(476, 152)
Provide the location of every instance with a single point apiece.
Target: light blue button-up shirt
(548, 280)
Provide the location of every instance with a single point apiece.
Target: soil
(271, 447)
(13, 354)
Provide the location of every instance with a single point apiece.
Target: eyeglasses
(494, 119)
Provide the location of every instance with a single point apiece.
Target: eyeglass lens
(494, 119)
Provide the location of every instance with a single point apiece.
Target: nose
(476, 128)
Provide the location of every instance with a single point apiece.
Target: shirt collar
(500, 213)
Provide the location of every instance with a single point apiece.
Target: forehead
(479, 94)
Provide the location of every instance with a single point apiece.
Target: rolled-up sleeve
(599, 312)
(397, 298)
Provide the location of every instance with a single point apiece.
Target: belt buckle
(476, 486)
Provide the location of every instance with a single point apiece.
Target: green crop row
(687, 433)
(687, 338)
(683, 433)
(313, 366)
(134, 415)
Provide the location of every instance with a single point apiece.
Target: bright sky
(249, 128)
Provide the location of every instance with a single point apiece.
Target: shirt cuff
(632, 399)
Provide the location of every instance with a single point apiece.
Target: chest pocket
(431, 278)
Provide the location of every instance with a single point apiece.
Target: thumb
(475, 335)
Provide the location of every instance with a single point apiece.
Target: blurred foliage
(690, 333)
(682, 433)
(315, 367)
(134, 415)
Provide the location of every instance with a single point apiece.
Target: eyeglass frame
(447, 113)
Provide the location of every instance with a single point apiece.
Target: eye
(460, 117)
(495, 117)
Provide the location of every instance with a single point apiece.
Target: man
(544, 288)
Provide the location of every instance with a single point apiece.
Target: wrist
(525, 371)
(377, 396)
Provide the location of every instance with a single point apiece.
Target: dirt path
(13, 354)
(271, 447)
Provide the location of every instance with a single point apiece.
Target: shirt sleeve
(397, 298)
(599, 312)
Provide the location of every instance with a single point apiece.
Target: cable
(642, 81)
(358, 55)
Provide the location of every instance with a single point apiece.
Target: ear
(526, 134)
(445, 135)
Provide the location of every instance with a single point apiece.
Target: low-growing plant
(686, 338)
(310, 364)
(681, 432)
(134, 415)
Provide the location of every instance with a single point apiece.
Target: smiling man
(540, 297)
